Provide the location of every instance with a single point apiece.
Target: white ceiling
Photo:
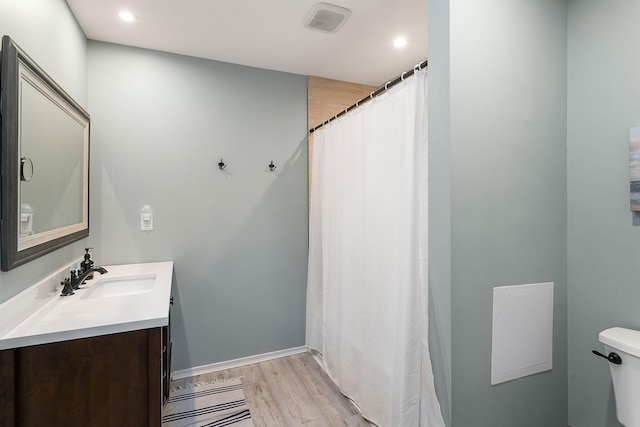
(269, 34)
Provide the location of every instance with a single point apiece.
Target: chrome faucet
(76, 279)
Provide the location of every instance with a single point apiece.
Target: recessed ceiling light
(400, 42)
(125, 15)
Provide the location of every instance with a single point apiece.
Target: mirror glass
(45, 162)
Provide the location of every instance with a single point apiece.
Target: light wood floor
(289, 392)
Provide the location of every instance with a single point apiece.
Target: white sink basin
(106, 287)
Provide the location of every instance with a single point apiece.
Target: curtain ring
(386, 88)
(357, 103)
(402, 76)
(371, 96)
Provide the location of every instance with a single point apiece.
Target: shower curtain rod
(377, 92)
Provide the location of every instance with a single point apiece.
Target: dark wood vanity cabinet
(111, 380)
(166, 357)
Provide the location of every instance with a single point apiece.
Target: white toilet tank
(626, 376)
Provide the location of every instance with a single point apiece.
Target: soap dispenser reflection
(26, 220)
(87, 264)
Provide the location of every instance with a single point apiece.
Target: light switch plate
(146, 218)
(146, 222)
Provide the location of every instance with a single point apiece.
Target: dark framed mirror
(44, 161)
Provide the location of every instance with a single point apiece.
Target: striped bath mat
(216, 404)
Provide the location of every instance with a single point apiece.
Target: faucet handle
(67, 289)
(74, 279)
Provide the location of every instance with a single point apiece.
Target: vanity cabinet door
(7, 389)
(110, 380)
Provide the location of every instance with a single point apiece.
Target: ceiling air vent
(326, 17)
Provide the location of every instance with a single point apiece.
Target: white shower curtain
(367, 285)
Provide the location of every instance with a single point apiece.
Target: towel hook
(272, 167)
(221, 165)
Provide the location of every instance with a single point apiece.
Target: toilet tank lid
(622, 339)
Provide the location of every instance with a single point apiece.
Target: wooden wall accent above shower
(326, 98)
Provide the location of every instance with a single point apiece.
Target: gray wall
(440, 203)
(603, 235)
(160, 124)
(508, 199)
(50, 35)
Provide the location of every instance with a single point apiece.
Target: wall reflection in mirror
(45, 162)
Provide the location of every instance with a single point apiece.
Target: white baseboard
(317, 356)
(219, 366)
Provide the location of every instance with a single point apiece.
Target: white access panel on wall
(522, 338)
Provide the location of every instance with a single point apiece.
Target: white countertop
(88, 312)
